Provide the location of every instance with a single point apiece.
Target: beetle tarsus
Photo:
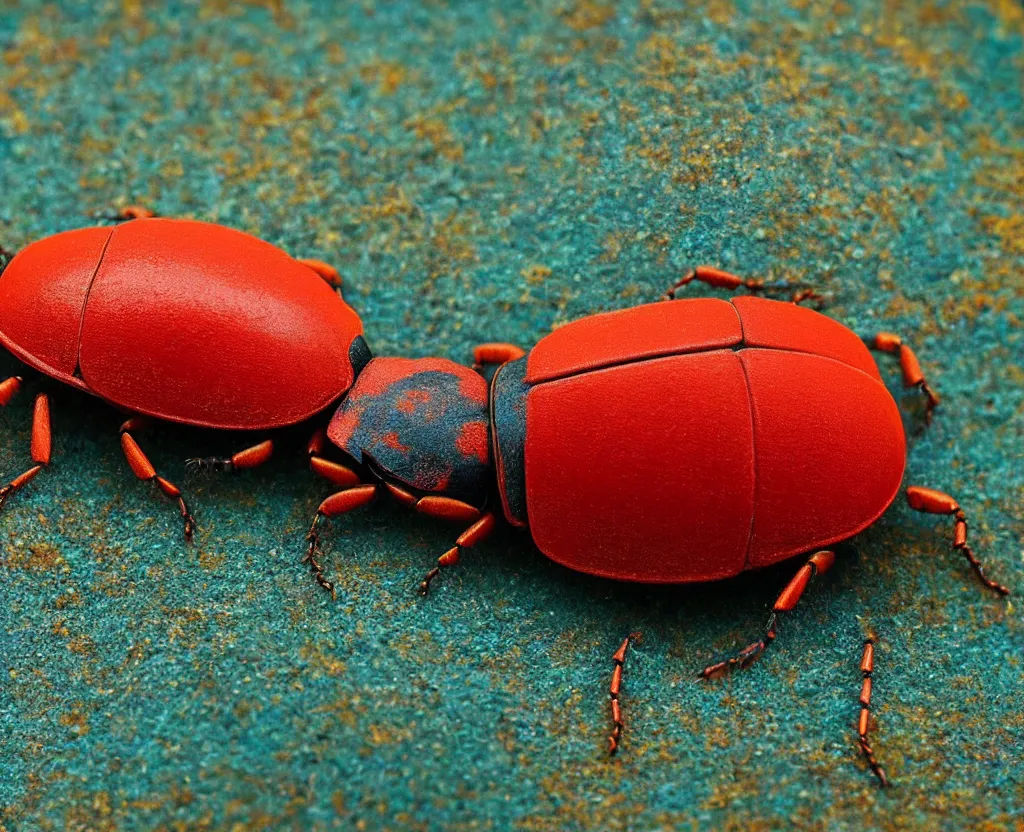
(424, 586)
(867, 667)
(742, 660)
(312, 555)
(207, 465)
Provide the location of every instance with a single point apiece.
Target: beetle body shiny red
(689, 440)
(181, 320)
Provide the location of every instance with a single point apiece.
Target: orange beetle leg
(818, 563)
(930, 501)
(867, 667)
(910, 367)
(614, 690)
(249, 458)
(144, 470)
(325, 270)
(720, 279)
(133, 212)
(41, 444)
(340, 502)
(485, 355)
(445, 507)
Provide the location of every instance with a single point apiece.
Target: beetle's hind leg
(818, 563)
(720, 279)
(144, 470)
(930, 501)
(41, 442)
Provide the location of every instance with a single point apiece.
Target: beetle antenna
(313, 554)
(867, 667)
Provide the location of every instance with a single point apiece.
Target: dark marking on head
(423, 422)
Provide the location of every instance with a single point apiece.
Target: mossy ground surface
(483, 171)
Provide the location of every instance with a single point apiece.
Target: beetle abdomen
(697, 465)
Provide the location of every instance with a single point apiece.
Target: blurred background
(482, 171)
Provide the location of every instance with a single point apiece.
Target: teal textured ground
(478, 175)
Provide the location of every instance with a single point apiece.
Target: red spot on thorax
(392, 441)
(411, 401)
(474, 441)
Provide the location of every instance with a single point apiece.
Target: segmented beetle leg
(449, 509)
(930, 501)
(144, 470)
(41, 441)
(867, 667)
(818, 563)
(721, 279)
(910, 367)
(249, 458)
(340, 502)
(613, 691)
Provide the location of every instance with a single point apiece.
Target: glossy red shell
(734, 437)
(182, 320)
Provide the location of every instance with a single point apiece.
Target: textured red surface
(786, 326)
(631, 334)
(695, 466)
(830, 451)
(42, 296)
(644, 471)
(202, 324)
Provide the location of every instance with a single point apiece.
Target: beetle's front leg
(338, 503)
(818, 563)
(482, 523)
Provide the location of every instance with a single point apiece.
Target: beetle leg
(41, 444)
(338, 503)
(249, 458)
(720, 279)
(913, 376)
(818, 563)
(613, 691)
(325, 270)
(930, 501)
(487, 355)
(867, 667)
(144, 470)
(446, 508)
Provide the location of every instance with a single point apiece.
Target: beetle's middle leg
(144, 470)
(249, 458)
(720, 279)
(41, 443)
(818, 563)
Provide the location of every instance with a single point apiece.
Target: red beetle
(178, 320)
(675, 442)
